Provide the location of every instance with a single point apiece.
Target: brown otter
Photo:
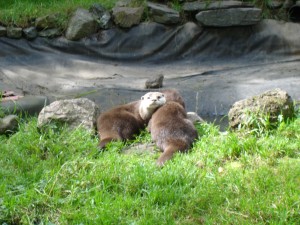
(171, 130)
(124, 121)
(173, 95)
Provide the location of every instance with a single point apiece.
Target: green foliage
(261, 124)
(59, 177)
(176, 4)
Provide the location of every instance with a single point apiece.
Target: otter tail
(104, 142)
(168, 153)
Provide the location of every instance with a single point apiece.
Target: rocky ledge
(125, 15)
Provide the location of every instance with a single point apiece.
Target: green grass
(59, 177)
(22, 12)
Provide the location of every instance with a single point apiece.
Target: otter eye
(158, 97)
(148, 98)
(142, 97)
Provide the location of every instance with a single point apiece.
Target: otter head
(150, 102)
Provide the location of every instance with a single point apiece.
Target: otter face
(153, 100)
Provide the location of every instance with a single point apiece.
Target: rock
(46, 22)
(274, 4)
(30, 33)
(102, 16)
(2, 31)
(73, 112)
(140, 149)
(271, 103)
(288, 4)
(229, 17)
(82, 24)
(194, 118)
(162, 14)
(155, 82)
(123, 3)
(203, 5)
(8, 124)
(50, 33)
(14, 32)
(127, 17)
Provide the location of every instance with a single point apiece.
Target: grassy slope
(20, 12)
(59, 178)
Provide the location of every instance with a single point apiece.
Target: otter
(124, 121)
(171, 130)
(173, 95)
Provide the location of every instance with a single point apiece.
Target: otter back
(171, 130)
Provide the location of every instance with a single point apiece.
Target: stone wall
(215, 13)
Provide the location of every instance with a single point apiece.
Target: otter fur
(173, 95)
(171, 130)
(124, 121)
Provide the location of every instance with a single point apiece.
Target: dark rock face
(229, 17)
(82, 24)
(162, 14)
(270, 103)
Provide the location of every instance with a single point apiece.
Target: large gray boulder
(127, 17)
(82, 24)
(74, 112)
(271, 103)
(229, 17)
(163, 14)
